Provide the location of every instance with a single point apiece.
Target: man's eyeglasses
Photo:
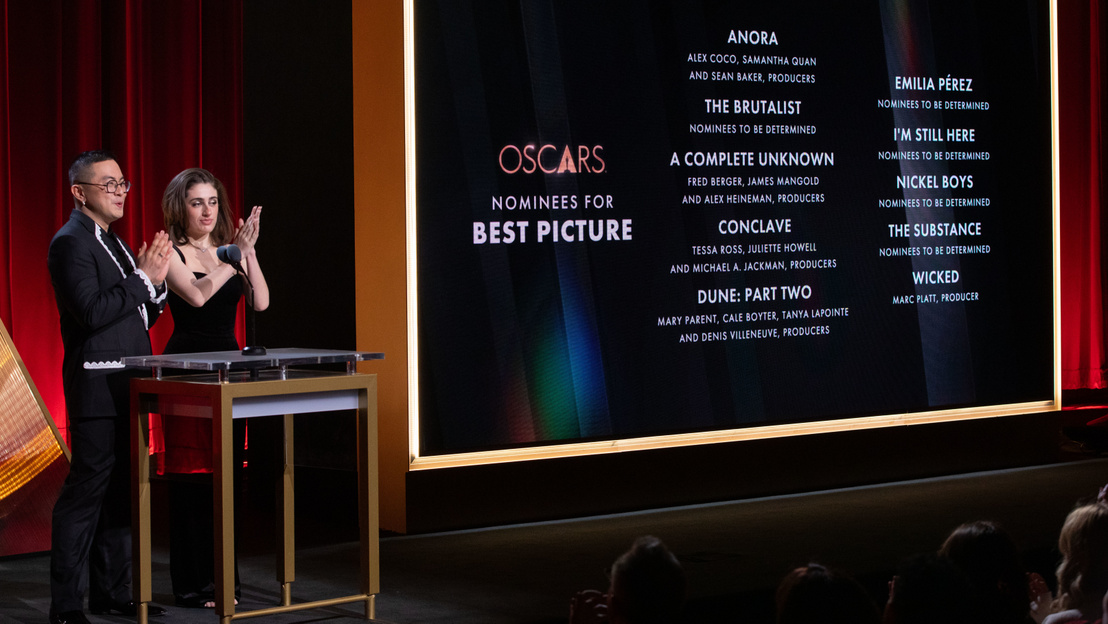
(111, 186)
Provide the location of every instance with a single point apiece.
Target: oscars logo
(550, 159)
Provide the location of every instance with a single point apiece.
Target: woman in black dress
(203, 298)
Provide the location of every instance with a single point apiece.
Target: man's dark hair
(990, 558)
(648, 584)
(929, 589)
(84, 160)
(815, 594)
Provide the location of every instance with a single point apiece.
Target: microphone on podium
(232, 255)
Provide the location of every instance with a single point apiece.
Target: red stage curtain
(157, 83)
(1081, 84)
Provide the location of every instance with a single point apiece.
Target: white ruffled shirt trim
(103, 365)
(154, 296)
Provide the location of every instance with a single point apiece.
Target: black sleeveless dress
(211, 327)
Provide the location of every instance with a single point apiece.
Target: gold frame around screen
(416, 462)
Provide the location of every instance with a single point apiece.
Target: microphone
(230, 254)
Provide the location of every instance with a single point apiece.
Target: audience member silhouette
(990, 559)
(929, 589)
(647, 587)
(814, 594)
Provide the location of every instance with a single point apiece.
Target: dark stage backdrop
(298, 132)
(653, 218)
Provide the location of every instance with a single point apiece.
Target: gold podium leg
(140, 511)
(286, 521)
(223, 497)
(368, 519)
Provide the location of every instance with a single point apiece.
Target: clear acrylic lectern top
(226, 361)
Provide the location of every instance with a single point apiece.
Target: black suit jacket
(105, 308)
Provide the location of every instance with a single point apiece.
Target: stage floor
(734, 552)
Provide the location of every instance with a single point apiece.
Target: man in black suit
(108, 297)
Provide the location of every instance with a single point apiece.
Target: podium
(231, 385)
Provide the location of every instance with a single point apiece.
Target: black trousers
(192, 539)
(90, 545)
(191, 530)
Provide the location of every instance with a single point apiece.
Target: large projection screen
(642, 224)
